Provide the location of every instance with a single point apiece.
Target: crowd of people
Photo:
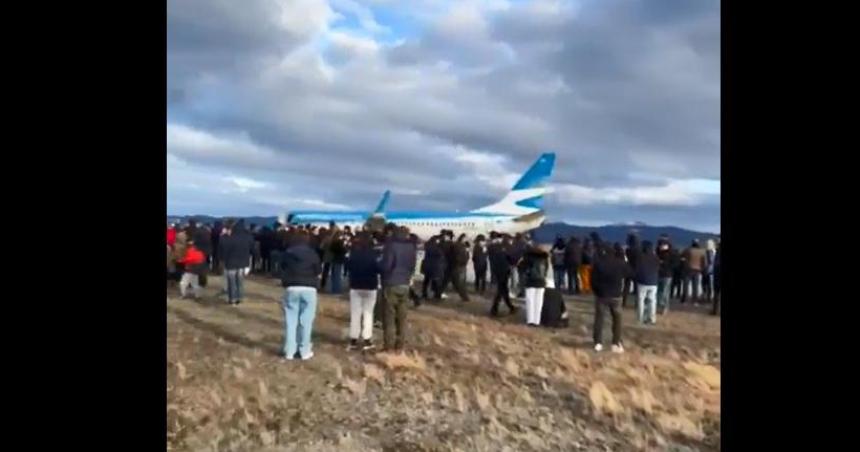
(380, 267)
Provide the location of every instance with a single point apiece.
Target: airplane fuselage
(428, 224)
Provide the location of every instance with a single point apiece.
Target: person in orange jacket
(195, 265)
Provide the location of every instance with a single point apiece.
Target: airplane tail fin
(526, 196)
(383, 203)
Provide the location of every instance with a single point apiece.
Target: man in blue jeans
(235, 248)
(646, 279)
(300, 275)
(664, 282)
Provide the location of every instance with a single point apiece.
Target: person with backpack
(558, 267)
(572, 261)
(194, 263)
(480, 263)
(607, 280)
(646, 277)
(535, 264)
(364, 270)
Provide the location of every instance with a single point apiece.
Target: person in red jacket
(195, 265)
(171, 235)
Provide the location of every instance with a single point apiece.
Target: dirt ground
(466, 382)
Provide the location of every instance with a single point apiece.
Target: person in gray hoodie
(398, 266)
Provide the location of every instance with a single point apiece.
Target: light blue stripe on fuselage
(302, 217)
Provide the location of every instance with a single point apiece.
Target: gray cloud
(626, 92)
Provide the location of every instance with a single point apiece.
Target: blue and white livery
(520, 210)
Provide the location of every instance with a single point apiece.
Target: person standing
(572, 261)
(459, 259)
(646, 278)
(364, 270)
(534, 264)
(337, 250)
(236, 247)
(708, 273)
(607, 281)
(717, 294)
(677, 274)
(180, 246)
(585, 266)
(300, 272)
(433, 265)
(480, 264)
(558, 267)
(398, 266)
(631, 254)
(500, 266)
(447, 247)
(171, 235)
(203, 242)
(194, 263)
(215, 238)
(695, 263)
(521, 246)
(664, 283)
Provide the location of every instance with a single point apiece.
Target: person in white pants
(361, 304)
(536, 271)
(364, 269)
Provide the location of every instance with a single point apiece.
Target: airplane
(342, 218)
(521, 210)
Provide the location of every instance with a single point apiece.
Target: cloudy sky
(323, 104)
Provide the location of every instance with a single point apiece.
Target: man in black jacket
(500, 265)
(572, 260)
(217, 228)
(433, 268)
(398, 266)
(300, 271)
(457, 259)
(480, 264)
(646, 278)
(236, 248)
(607, 281)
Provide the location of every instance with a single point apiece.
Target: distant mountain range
(618, 233)
(547, 232)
